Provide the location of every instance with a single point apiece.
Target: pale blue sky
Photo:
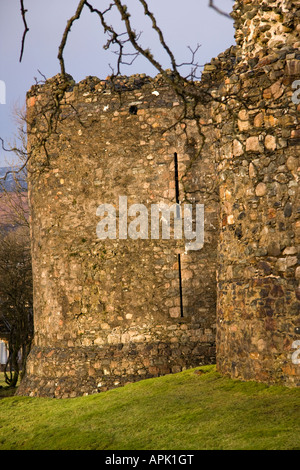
(184, 23)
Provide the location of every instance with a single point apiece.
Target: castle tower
(116, 310)
(258, 270)
(121, 309)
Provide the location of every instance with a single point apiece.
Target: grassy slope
(182, 411)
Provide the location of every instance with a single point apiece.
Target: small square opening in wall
(133, 109)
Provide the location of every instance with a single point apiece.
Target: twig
(65, 35)
(114, 38)
(221, 12)
(17, 151)
(26, 29)
(160, 34)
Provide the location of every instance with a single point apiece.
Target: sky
(184, 24)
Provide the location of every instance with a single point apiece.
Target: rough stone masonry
(108, 312)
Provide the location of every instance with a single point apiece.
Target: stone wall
(265, 25)
(258, 269)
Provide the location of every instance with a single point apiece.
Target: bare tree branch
(26, 29)
(217, 9)
(21, 153)
(16, 299)
(133, 38)
(160, 34)
(114, 38)
(194, 65)
(14, 203)
(65, 35)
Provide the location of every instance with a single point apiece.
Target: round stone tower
(138, 303)
(258, 329)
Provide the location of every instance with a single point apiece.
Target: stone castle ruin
(109, 312)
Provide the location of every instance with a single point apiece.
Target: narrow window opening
(180, 285)
(178, 215)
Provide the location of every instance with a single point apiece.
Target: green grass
(5, 390)
(184, 411)
(2, 381)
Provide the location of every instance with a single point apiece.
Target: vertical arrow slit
(178, 215)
